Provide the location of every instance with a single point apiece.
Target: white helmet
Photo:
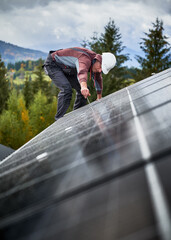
(108, 62)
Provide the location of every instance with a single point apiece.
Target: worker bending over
(68, 69)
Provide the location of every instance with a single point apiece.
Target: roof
(100, 172)
(5, 151)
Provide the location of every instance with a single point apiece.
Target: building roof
(5, 151)
(100, 172)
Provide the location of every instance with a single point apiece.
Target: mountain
(11, 53)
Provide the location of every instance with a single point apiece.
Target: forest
(28, 98)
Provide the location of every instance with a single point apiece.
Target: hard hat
(108, 62)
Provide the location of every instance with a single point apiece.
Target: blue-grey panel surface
(100, 172)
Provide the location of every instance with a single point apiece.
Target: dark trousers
(65, 83)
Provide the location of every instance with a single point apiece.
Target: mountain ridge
(11, 53)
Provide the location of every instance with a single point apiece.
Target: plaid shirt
(82, 60)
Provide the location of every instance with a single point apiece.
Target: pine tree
(21, 71)
(28, 91)
(4, 86)
(156, 49)
(30, 65)
(40, 83)
(110, 41)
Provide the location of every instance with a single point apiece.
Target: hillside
(11, 53)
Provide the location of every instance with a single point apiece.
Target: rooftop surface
(5, 152)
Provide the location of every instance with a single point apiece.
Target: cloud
(164, 5)
(46, 25)
(6, 5)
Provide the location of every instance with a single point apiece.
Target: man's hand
(84, 90)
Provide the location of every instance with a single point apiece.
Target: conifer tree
(40, 83)
(28, 91)
(4, 86)
(30, 65)
(21, 71)
(156, 49)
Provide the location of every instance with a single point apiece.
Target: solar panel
(100, 172)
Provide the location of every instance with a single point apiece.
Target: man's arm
(98, 85)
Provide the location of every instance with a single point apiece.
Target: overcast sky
(52, 24)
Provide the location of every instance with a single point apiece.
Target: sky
(53, 24)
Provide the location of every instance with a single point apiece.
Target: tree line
(26, 112)
(29, 65)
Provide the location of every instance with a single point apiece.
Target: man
(68, 69)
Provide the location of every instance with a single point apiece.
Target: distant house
(5, 151)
